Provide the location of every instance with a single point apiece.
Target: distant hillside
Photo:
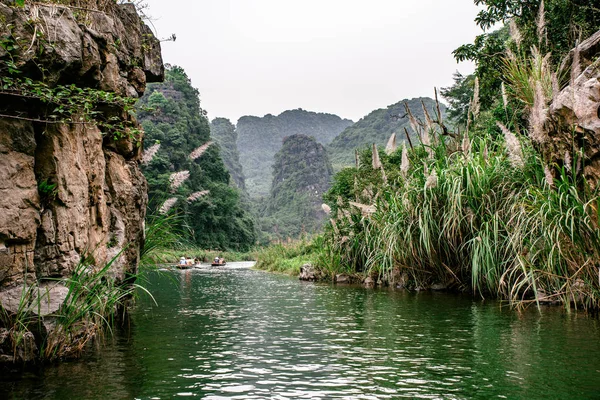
(377, 127)
(302, 173)
(224, 133)
(260, 138)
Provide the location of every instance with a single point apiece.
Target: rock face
(301, 175)
(69, 191)
(574, 114)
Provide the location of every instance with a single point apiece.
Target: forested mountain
(224, 133)
(260, 138)
(377, 128)
(185, 170)
(301, 174)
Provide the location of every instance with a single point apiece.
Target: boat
(183, 266)
(218, 264)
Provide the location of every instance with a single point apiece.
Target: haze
(346, 57)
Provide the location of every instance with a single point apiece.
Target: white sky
(346, 57)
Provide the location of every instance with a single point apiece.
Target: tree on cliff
(187, 166)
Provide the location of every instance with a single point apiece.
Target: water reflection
(229, 334)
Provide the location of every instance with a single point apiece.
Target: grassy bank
(287, 257)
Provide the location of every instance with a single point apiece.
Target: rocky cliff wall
(573, 126)
(69, 190)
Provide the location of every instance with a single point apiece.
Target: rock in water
(307, 273)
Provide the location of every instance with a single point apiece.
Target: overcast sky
(346, 57)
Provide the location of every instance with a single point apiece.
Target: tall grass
(484, 226)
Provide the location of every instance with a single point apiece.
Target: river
(236, 333)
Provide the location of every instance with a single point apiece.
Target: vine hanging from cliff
(70, 104)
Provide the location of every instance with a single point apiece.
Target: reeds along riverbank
(480, 213)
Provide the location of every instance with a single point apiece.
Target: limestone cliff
(69, 190)
(260, 138)
(573, 125)
(302, 173)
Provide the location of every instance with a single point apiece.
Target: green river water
(235, 333)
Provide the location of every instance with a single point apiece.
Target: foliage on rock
(174, 119)
(301, 175)
(224, 133)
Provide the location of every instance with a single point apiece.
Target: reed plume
(375, 158)
(538, 114)
(432, 180)
(197, 153)
(177, 178)
(167, 205)
(149, 153)
(405, 164)
(568, 162)
(391, 144)
(548, 176)
(475, 105)
(466, 144)
(515, 33)
(541, 24)
(197, 195)
(513, 146)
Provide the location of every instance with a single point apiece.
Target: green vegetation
(185, 171)
(377, 127)
(301, 174)
(289, 257)
(260, 138)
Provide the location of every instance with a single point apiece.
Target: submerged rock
(369, 282)
(342, 279)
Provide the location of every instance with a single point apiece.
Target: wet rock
(439, 286)
(342, 279)
(307, 273)
(401, 281)
(48, 298)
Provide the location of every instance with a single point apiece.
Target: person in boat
(182, 261)
(217, 260)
